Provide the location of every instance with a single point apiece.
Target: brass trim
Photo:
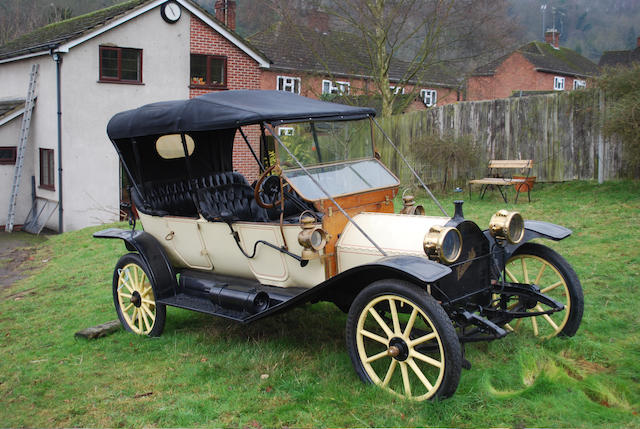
(434, 239)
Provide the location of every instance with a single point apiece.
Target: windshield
(338, 155)
(314, 143)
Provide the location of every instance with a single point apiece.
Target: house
(621, 58)
(94, 66)
(313, 61)
(536, 66)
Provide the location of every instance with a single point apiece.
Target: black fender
(162, 273)
(532, 229)
(342, 288)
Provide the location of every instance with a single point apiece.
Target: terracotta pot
(527, 185)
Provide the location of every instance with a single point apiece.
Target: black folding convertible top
(227, 109)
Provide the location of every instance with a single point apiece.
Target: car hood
(396, 234)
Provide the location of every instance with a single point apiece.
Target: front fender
(344, 287)
(533, 229)
(162, 273)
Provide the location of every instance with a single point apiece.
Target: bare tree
(412, 38)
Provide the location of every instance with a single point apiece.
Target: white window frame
(288, 84)
(558, 83)
(337, 87)
(579, 84)
(429, 97)
(397, 89)
(286, 131)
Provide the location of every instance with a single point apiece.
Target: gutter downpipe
(57, 57)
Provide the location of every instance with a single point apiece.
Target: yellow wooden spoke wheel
(400, 339)
(551, 273)
(134, 297)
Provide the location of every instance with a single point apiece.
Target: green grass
(205, 371)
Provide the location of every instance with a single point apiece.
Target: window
(122, 65)
(8, 155)
(209, 71)
(579, 84)
(47, 169)
(429, 97)
(337, 87)
(397, 89)
(286, 131)
(289, 84)
(170, 146)
(558, 83)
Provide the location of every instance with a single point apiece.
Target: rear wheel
(552, 274)
(134, 297)
(401, 339)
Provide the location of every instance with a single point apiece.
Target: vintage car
(319, 224)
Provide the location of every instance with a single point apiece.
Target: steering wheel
(269, 187)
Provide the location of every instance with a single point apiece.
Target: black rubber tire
(570, 277)
(161, 310)
(452, 351)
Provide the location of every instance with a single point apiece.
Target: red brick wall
(514, 74)
(243, 72)
(311, 86)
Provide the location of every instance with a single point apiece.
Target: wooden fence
(560, 132)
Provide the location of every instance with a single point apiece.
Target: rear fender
(162, 273)
(344, 287)
(532, 229)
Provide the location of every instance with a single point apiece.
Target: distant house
(110, 60)
(621, 58)
(536, 66)
(315, 61)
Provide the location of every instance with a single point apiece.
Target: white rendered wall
(14, 83)
(91, 170)
(91, 181)
(9, 135)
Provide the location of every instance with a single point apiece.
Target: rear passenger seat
(222, 196)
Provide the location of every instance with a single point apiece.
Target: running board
(234, 298)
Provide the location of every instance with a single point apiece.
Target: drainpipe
(57, 57)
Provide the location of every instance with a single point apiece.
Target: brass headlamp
(507, 225)
(312, 238)
(443, 243)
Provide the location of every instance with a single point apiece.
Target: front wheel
(134, 297)
(552, 274)
(401, 339)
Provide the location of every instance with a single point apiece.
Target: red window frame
(208, 83)
(118, 79)
(12, 158)
(47, 181)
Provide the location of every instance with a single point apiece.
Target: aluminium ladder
(22, 145)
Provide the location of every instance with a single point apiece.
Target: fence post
(600, 138)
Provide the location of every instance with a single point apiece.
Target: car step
(229, 297)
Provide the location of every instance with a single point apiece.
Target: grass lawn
(205, 371)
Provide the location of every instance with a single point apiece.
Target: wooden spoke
(140, 320)
(125, 295)
(552, 287)
(381, 322)
(144, 319)
(374, 337)
(148, 301)
(422, 339)
(534, 323)
(539, 276)
(394, 317)
(392, 367)
(525, 272)
(409, 327)
(424, 358)
(509, 328)
(419, 373)
(377, 356)
(511, 276)
(124, 310)
(548, 319)
(405, 379)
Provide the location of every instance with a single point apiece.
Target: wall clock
(170, 12)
